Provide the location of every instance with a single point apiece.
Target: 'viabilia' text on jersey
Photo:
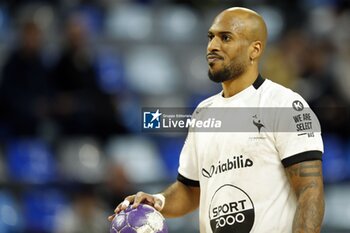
(241, 175)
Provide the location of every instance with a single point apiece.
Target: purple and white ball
(143, 219)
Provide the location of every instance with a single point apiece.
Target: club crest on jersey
(231, 210)
(257, 123)
(235, 162)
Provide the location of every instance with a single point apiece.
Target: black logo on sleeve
(231, 210)
(297, 105)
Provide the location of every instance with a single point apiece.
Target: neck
(238, 84)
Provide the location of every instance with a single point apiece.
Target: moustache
(214, 55)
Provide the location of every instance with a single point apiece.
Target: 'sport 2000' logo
(231, 210)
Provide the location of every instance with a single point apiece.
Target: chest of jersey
(234, 153)
(239, 172)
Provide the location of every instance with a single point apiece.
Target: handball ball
(143, 219)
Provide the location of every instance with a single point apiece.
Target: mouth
(211, 58)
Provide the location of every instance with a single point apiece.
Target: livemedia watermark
(237, 120)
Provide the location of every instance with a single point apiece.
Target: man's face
(227, 51)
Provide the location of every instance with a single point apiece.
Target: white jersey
(244, 187)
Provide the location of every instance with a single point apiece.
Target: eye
(225, 38)
(210, 37)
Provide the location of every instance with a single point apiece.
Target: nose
(214, 45)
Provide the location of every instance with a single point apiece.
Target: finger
(123, 205)
(149, 200)
(159, 201)
(158, 204)
(110, 218)
(117, 209)
(139, 198)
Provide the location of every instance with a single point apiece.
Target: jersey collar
(249, 90)
(258, 82)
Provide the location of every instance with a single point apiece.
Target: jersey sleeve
(297, 132)
(188, 165)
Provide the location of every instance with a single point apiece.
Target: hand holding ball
(143, 219)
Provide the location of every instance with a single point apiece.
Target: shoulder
(208, 101)
(277, 95)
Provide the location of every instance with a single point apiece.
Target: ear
(255, 50)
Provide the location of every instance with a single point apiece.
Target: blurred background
(75, 74)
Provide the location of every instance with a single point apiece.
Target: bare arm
(179, 200)
(307, 182)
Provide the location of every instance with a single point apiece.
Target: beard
(228, 72)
